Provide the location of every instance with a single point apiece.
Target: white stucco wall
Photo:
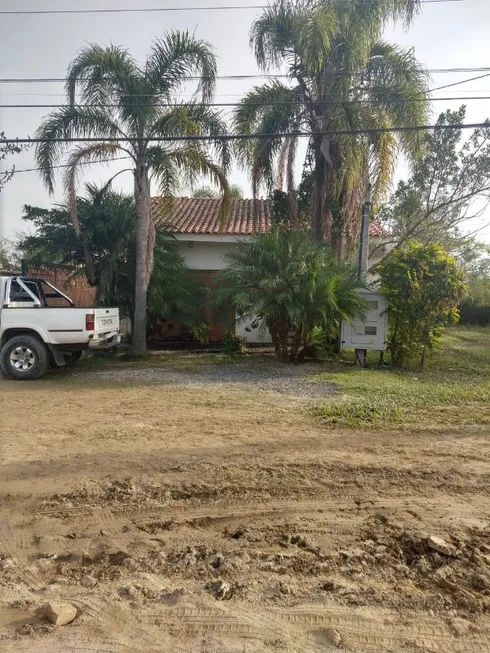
(202, 252)
(205, 255)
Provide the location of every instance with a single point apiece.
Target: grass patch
(455, 392)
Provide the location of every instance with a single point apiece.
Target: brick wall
(77, 289)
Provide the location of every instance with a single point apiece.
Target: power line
(236, 104)
(237, 95)
(55, 80)
(125, 158)
(161, 9)
(236, 137)
(67, 165)
(471, 79)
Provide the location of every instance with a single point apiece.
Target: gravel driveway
(275, 377)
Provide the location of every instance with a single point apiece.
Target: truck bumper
(104, 343)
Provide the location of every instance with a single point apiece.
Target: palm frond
(164, 170)
(399, 85)
(269, 109)
(69, 122)
(102, 74)
(177, 57)
(272, 35)
(92, 153)
(195, 119)
(193, 163)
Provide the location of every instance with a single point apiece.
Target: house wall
(205, 255)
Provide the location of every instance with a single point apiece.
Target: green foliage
(107, 226)
(234, 192)
(343, 77)
(233, 344)
(475, 307)
(174, 293)
(423, 286)
(292, 285)
(10, 258)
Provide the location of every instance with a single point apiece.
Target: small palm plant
(130, 110)
(292, 285)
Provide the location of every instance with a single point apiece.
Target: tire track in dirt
(112, 526)
(428, 635)
(230, 510)
(148, 637)
(11, 546)
(42, 647)
(371, 634)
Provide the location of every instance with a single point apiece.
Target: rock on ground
(333, 636)
(88, 581)
(59, 613)
(440, 545)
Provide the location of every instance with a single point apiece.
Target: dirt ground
(213, 519)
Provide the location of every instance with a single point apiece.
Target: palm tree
(130, 109)
(292, 285)
(342, 77)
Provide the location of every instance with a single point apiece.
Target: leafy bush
(291, 284)
(424, 286)
(233, 344)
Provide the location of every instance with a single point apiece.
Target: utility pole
(361, 354)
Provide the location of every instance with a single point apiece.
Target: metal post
(361, 354)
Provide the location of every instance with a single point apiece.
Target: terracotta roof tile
(193, 215)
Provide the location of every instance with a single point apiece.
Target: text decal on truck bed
(106, 321)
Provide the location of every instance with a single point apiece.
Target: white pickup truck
(41, 327)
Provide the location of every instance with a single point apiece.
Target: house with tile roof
(204, 241)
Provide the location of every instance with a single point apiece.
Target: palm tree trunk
(89, 262)
(142, 200)
(317, 226)
(295, 345)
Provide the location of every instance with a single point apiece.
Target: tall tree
(342, 77)
(449, 188)
(121, 99)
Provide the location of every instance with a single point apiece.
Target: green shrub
(233, 344)
(424, 286)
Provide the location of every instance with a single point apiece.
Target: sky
(445, 35)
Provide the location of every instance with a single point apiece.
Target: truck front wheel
(24, 358)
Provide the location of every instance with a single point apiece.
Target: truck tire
(24, 358)
(71, 359)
